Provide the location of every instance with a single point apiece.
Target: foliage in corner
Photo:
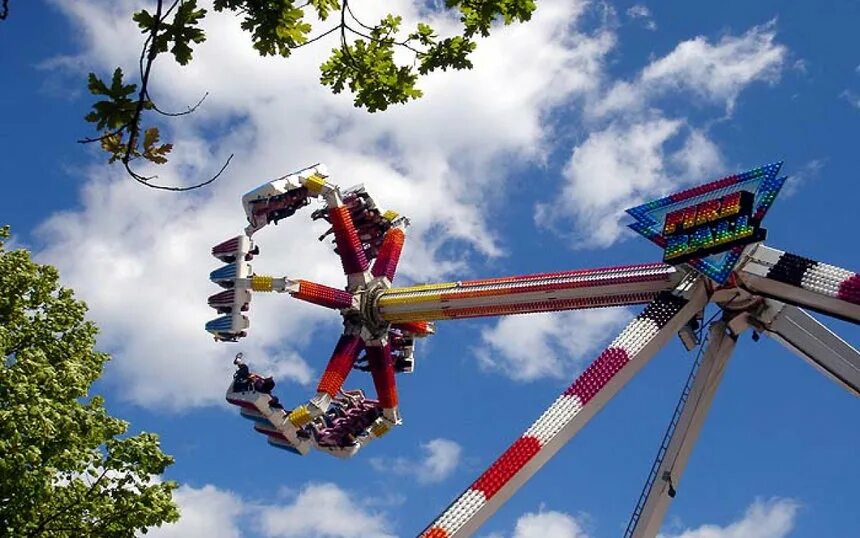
(363, 62)
(67, 469)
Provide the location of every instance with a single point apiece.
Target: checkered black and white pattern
(803, 282)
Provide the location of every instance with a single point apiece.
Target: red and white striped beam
(546, 292)
(616, 365)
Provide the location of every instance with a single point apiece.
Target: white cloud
(712, 72)
(721, 71)
(322, 510)
(635, 151)
(535, 346)
(809, 171)
(852, 98)
(621, 166)
(140, 258)
(641, 12)
(441, 458)
(773, 518)
(206, 511)
(548, 525)
(318, 510)
(543, 524)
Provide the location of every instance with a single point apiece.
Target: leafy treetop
(66, 469)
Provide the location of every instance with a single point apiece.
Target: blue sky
(522, 165)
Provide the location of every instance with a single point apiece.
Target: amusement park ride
(713, 253)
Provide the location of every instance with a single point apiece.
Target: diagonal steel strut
(681, 435)
(807, 337)
(598, 384)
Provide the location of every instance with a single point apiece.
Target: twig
(145, 180)
(4, 10)
(404, 43)
(343, 44)
(316, 38)
(351, 14)
(87, 140)
(176, 114)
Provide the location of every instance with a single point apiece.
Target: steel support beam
(598, 384)
(721, 343)
(812, 341)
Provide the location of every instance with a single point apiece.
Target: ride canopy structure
(713, 252)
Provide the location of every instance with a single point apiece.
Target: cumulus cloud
(440, 459)
(548, 525)
(322, 510)
(535, 346)
(140, 258)
(634, 150)
(206, 511)
(773, 518)
(712, 72)
(852, 98)
(318, 510)
(620, 166)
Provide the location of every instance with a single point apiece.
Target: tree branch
(4, 10)
(134, 128)
(62, 510)
(404, 43)
(147, 57)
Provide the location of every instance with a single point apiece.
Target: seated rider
(263, 384)
(241, 378)
(244, 380)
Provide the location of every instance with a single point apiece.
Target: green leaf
(276, 26)
(118, 108)
(145, 21)
(368, 68)
(324, 7)
(182, 31)
(451, 52)
(478, 16)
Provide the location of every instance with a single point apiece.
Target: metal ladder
(667, 437)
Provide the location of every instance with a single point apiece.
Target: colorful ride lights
(708, 211)
(236, 278)
(711, 226)
(350, 421)
(281, 198)
(368, 242)
(707, 227)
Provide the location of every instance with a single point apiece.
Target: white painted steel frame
(807, 337)
(721, 343)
